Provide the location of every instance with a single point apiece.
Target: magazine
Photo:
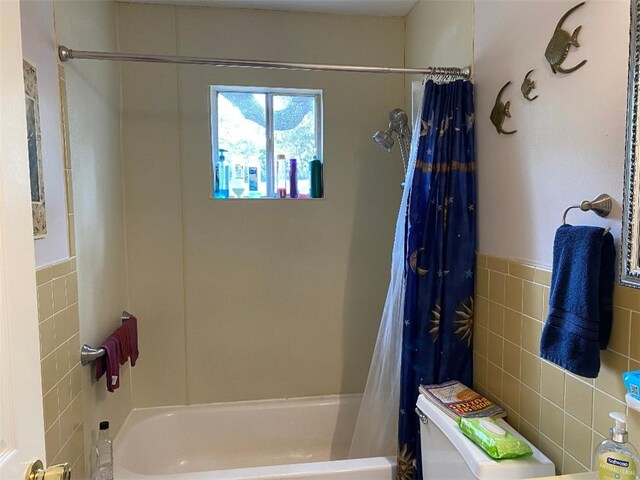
(458, 400)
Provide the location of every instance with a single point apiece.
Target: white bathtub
(304, 438)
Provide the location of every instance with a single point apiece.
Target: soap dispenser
(615, 458)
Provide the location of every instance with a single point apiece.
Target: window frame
(269, 93)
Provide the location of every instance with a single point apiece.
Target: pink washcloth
(110, 363)
(132, 326)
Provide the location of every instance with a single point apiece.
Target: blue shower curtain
(440, 259)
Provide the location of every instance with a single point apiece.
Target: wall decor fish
(527, 86)
(559, 45)
(500, 111)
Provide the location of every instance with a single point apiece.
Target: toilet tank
(447, 453)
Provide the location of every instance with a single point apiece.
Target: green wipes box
(493, 439)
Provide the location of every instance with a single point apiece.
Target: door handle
(36, 471)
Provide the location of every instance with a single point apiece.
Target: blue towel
(580, 305)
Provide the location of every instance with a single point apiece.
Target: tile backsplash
(564, 415)
(60, 362)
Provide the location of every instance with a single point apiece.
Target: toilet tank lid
(483, 466)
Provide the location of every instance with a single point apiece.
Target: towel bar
(601, 206)
(89, 354)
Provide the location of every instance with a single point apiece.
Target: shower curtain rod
(66, 54)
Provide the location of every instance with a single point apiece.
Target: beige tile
(72, 234)
(571, 465)
(481, 260)
(577, 440)
(479, 371)
(610, 377)
(45, 301)
(529, 431)
(496, 287)
(521, 270)
(66, 424)
(531, 333)
(532, 300)
(64, 393)
(74, 351)
(513, 293)
(578, 399)
(552, 450)
(626, 297)
(495, 346)
(545, 303)
(552, 383)
(496, 318)
(63, 327)
(551, 421)
(494, 381)
(633, 426)
(620, 331)
(530, 371)
(62, 360)
(482, 311)
(52, 441)
(44, 274)
(530, 406)
(634, 344)
(74, 318)
(511, 358)
(47, 337)
(76, 445)
(62, 268)
(50, 408)
(49, 372)
(513, 418)
(69, 190)
(512, 326)
(480, 338)
(72, 287)
(511, 392)
(543, 276)
(603, 404)
(498, 264)
(59, 294)
(482, 282)
(78, 467)
(76, 380)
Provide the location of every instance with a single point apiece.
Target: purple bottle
(293, 178)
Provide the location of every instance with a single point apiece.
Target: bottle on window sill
(281, 176)
(316, 190)
(293, 178)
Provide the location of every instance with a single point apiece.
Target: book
(458, 400)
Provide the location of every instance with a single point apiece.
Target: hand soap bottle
(615, 458)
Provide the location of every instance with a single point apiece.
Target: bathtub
(305, 438)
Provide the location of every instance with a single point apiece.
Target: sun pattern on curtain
(440, 263)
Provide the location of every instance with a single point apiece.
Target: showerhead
(398, 120)
(383, 139)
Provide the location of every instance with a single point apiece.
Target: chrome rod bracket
(89, 354)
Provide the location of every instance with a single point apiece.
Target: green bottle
(317, 187)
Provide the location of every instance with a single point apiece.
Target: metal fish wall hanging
(560, 43)
(527, 86)
(500, 111)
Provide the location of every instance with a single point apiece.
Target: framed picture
(34, 145)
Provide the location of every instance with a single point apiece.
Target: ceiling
(383, 8)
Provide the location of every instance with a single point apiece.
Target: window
(251, 127)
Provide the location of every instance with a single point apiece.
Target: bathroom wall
(38, 48)
(93, 109)
(56, 277)
(569, 147)
(438, 33)
(255, 299)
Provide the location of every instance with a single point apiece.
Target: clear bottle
(238, 178)
(103, 455)
(293, 178)
(281, 176)
(222, 173)
(615, 458)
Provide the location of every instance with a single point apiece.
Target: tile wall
(58, 317)
(564, 415)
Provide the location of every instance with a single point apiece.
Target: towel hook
(601, 206)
